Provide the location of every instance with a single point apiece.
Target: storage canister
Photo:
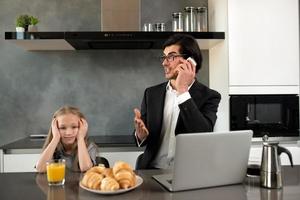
(201, 19)
(177, 22)
(189, 19)
(147, 27)
(158, 27)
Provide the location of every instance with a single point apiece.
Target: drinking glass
(56, 171)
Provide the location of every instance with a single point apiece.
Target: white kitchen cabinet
(263, 46)
(260, 53)
(1, 160)
(256, 153)
(25, 162)
(19, 162)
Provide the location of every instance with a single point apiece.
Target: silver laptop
(208, 159)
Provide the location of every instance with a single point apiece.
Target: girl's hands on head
(55, 130)
(83, 128)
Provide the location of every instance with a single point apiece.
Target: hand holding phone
(192, 61)
(186, 75)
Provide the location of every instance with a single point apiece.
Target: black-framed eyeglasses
(170, 57)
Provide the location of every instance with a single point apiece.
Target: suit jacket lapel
(196, 96)
(158, 108)
(194, 91)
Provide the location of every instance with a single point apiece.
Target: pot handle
(284, 150)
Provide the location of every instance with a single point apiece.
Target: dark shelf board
(105, 40)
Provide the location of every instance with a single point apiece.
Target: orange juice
(56, 172)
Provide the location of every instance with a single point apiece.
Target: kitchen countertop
(120, 142)
(124, 142)
(34, 186)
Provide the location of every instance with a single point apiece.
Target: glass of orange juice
(56, 171)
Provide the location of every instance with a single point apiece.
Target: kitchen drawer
(19, 162)
(256, 152)
(26, 162)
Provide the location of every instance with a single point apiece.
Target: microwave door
(251, 117)
(248, 111)
(275, 115)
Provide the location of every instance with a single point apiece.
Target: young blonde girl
(67, 139)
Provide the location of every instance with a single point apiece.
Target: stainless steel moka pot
(270, 169)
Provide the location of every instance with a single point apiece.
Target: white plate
(139, 182)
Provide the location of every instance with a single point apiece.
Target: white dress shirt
(165, 155)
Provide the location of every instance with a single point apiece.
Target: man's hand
(140, 128)
(186, 75)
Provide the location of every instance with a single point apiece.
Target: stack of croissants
(121, 176)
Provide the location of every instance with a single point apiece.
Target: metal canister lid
(189, 8)
(159, 26)
(176, 14)
(201, 9)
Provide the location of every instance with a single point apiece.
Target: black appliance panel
(274, 115)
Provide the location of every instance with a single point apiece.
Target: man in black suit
(180, 105)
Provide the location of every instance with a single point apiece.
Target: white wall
(218, 61)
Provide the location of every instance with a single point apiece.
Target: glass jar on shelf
(201, 19)
(159, 27)
(147, 27)
(177, 22)
(189, 19)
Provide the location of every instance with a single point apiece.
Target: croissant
(108, 172)
(109, 184)
(98, 169)
(110, 179)
(92, 180)
(124, 174)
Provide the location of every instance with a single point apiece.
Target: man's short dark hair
(188, 46)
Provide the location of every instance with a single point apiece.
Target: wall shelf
(41, 41)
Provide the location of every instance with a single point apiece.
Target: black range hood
(109, 40)
(127, 40)
(112, 40)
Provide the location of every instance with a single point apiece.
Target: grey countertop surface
(102, 141)
(114, 141)
(34, 186)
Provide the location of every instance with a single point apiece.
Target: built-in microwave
(272, 115)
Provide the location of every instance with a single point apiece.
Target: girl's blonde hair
(63, 111)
